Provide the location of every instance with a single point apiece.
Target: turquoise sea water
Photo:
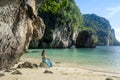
(102, 58)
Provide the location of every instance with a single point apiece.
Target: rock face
(35, 42)
(85, 39)
(18, 23)
(57, 35)
(60, 38)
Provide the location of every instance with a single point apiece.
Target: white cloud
(113, 11)
(117, 33)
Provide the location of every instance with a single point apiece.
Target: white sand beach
(59, 72)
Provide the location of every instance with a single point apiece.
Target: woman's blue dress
(47, 61)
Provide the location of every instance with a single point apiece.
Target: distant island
(102, 28)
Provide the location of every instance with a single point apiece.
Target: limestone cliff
(18, 23)
(61, 38)
(61, 26)
(86, 39)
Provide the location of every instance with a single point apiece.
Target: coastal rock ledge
(18, 24)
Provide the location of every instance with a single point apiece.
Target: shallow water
(102, 58)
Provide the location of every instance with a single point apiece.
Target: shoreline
(60, 72)
(62, 64)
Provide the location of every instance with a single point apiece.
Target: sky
(109, 9)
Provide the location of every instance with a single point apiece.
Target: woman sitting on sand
(45, 59)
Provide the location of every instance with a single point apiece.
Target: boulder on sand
(27, 65)
(16, 72)
(43, 65)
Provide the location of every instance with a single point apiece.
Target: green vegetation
(53, 5)
(102, 28)
(60, 14)
(72, 16)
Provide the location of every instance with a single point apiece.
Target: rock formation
(60, 25)
(61, 37)
(27, 65)
(86, 39)
(18, 23)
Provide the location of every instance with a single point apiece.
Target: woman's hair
(43, 53)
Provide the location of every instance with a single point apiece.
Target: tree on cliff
(53, 5)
